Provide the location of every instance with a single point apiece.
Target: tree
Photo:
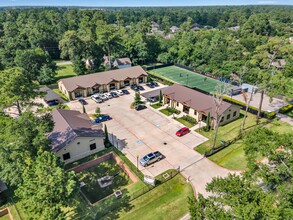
(46, 189)
(161, 97)
(106, 134)
(16, 89)
(208, 122)
(34, 62)
(137, 99)
(20, 141)
(221, 90)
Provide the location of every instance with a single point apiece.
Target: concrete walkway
(285, 118)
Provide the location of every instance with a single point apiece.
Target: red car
(182, 131)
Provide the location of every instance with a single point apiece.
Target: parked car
(83, 102)
(108, 95)
(125, 91)
(52, 102)
(140, 107)
(150, 85)
(114, 94)
(103, 97)
(151, 158)
(134, 87)
(140, 88)
(182, 131)
(120, 92)
(154, 83)
(103, 118)
(96, 98)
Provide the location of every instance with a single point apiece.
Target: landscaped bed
(169, 111)
(156, 105)
(187, 121)
(92, 189)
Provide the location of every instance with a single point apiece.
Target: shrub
(286, 109)
(189, 119)
(173, 110)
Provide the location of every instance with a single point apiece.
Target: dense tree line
(263, 191)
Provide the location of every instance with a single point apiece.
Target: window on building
(222, 119)
(228, 116)
(234, 113)
(66, 156)
(195, 112)
(177, 104)
(93, 146)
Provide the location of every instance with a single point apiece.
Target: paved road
(285, 118)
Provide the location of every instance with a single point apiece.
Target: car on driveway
(82, 101)
(151, 158)
(152, 99)
(52, 102)
(150, 85)
(103, 97)
(114, 94)
(182, 131)
(103, 118)
(125, 91)
(140, 88)
(96, 98)
(154, 83)
(134, 87)
(120, 92)
(140, 107)
(108, 95)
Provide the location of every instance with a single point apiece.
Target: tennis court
(187, 78)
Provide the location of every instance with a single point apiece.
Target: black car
(134, 87)
(140, 88)
(114, 94)
(154, 83)
(82, 101)
(52, 102)
(125, 91)
(150, 85)
(140, 107)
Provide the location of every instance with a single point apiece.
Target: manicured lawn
(92, 189)
(5, 217)
(156, 105)
(186, 123)
(233, 156)
(167, 201)
(64, 72)
(168, 113)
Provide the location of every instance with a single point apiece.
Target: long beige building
(86, 85)
(198, 105)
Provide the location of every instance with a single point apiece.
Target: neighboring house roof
(291, 40)
(70, 124)
(154, 24)
(235, 28)
(194, 99)
(169, 36)
(102, 78)
(174, 28)
(153, 93)
(123, 61)
(279, 63)
(50, 94)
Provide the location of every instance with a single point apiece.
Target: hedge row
(286, 109)
(189, 119)
(251, 109)
(173, 110)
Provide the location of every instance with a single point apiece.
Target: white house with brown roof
(121, 63)
(74, 135)
(198, 105)
(86, 85)
(174, 29)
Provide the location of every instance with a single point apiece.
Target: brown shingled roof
(90, 80)
(123, 61)
(70, 124)
(194, 99)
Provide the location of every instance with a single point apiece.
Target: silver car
(96, 98)
(150, 158)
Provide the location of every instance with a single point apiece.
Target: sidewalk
(285, 118)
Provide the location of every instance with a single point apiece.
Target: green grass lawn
(92, 189)
(167, 201)
(184, 122)
(233, 156)
(156, 105)
(64, 71)
(165, 112)
(5, 217)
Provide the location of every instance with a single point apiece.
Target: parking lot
(141, 132)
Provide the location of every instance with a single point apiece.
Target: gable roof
(50, 94)
(194, 99)
(90, 80)
(123, 61)
(174, 28)
(70, 124)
